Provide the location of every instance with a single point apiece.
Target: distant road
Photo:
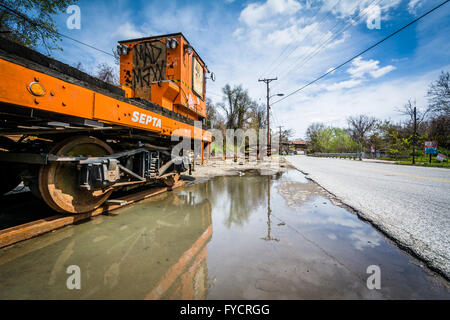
(411, 204)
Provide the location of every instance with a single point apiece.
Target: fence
(400, 155)
(379, 154)
(342, 155)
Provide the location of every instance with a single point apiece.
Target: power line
(364, 51)
(275, 119)
(314, 51)
(326, 42)
(36, 24)
(270, 69)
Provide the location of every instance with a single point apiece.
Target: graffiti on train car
(148, 65)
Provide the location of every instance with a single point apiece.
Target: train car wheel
(58, 182)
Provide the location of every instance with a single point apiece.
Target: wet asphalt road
(411, 204)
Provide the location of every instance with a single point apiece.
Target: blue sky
(241, 41)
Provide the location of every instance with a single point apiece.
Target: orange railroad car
(73, 139)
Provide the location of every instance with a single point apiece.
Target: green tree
(341, 141)
(396, 143)
(257, 116)
(330, 139)
(31, 23)
(312, 135)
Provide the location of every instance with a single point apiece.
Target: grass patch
(425, 164)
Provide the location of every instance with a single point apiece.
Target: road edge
(411, 251)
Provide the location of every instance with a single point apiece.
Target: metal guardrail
(342, 155)
(404, 154)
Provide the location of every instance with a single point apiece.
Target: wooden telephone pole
(279, 140)
(267, 81)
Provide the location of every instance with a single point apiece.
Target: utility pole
(414, 136)
(267, 81)
(279, 140)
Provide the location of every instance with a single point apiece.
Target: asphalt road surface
(410, 204)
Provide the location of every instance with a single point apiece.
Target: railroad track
(21, 232)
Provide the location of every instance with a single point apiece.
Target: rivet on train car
(36, 101)
(36, 79)
(51, 93)
(63, 104)
(118, 106)
(63, 87)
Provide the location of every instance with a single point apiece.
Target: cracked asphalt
(410, 204)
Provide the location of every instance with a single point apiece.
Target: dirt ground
(216, 167)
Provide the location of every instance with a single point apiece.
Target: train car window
(198, 81)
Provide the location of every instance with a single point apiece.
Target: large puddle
(241, 237)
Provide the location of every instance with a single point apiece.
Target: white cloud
(345, 8)
(362, 67)
(127, 31)
(291, 34)
(382, 71)
(413, 5)
(256, 12)
(344, 84)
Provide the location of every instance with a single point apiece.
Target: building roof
(299, 142)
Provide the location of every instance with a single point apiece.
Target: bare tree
(257, 115)
(107, 73)
(439, 95)
(286, 135)
(360, 127)
(439, 129)
(210, 110)
(215, 119)
(408, 110)
(79, 66)
(237, 104)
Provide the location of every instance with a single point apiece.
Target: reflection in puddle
(268, 236)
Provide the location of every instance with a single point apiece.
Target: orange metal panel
(118, 112)
(60, 96)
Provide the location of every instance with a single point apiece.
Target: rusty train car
(73, 139)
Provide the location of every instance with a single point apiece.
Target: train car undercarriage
(75, 169)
